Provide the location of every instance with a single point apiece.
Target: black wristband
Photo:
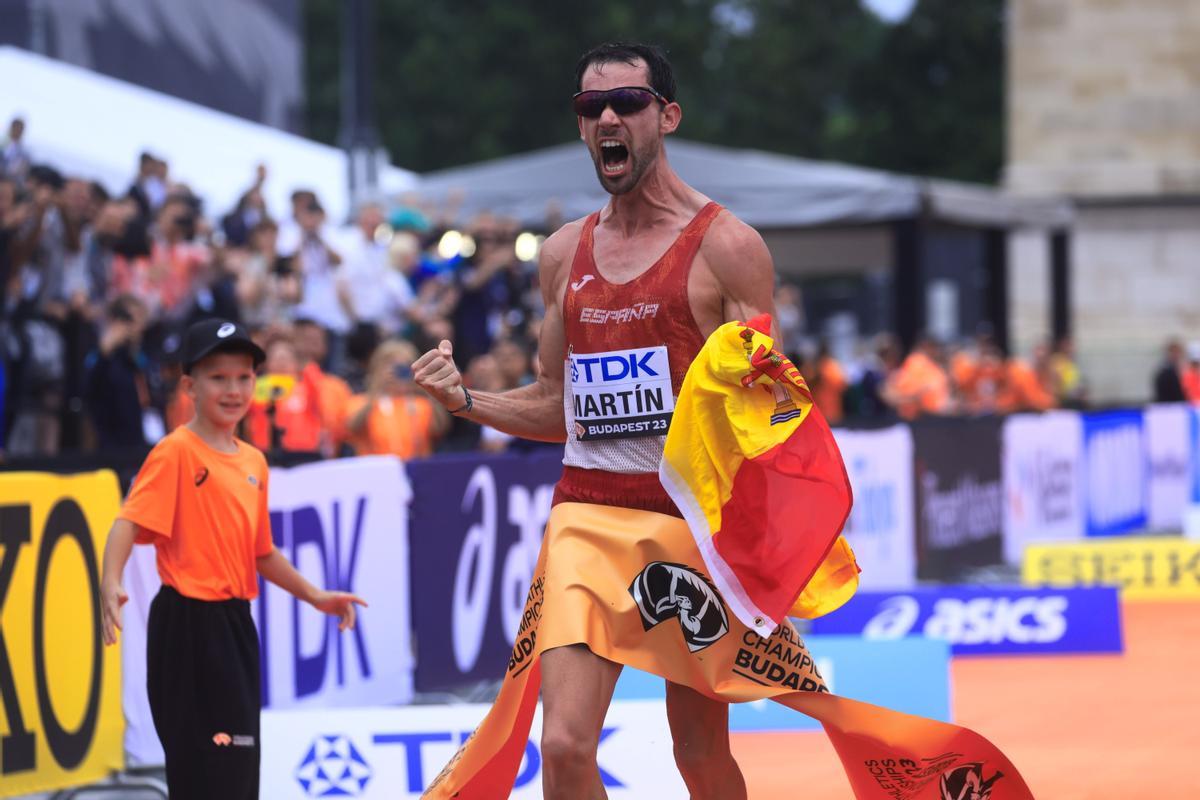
(467, 406)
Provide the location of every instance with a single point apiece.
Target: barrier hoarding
(394, 753)
(1142, 567)
(985, 620)
(1114, 472)
(478, 525)
(59, 686)
(880, 527)
(1168, 430)
(960, 500)
(1043, 480)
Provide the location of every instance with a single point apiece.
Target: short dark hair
(662, 76)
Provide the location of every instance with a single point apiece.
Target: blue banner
(910, 674)
(1115, 474)
(477, 524)
(977, 621)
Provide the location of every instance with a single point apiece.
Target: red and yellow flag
(754, 469)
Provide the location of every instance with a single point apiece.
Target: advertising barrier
(987, 620)
(1043, 480)
(1142, 567)
(911, 674)
(880, 527)
(1169, 452)
(478, 525)
(344, 526)
(394, 753)
(59, 686)
(960, 500)
(1114, 472)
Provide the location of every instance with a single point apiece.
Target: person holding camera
(268, 286)
(394, 417)
(122, 386)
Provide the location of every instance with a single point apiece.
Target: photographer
(123, 390)
(394, 417)
(268, 287)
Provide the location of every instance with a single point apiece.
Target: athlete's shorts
(203, 682)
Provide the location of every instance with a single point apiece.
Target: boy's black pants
(203, 683)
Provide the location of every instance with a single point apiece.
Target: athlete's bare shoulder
(554, 260)
(735, 252)
(741, 267)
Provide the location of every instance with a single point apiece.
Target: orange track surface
(1121, 727)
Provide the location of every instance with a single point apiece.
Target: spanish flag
(754, 469)
(635, 587)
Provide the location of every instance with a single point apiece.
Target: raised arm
(531, 412)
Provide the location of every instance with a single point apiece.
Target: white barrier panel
(344, 524)
(1042, 458)
(880, 528)
(1168, 442)
(394, 753)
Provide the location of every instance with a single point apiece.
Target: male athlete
(647, 278)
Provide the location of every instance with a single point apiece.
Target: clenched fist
(436, 373)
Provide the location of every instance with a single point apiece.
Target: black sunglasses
(624, 100)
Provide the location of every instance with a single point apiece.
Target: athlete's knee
(564, 751)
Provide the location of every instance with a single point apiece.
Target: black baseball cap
(218, 336)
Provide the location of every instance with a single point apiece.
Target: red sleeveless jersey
(629, 346)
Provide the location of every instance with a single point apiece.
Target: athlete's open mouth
(614, 156)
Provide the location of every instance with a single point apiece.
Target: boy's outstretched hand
(112, 597)
(340, 605)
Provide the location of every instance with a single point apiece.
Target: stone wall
(1104, 97)
(1104, 106)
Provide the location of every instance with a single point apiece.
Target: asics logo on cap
(226, 330)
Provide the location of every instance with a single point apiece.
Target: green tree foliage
(459, 81)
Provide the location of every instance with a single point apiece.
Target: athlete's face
(624, 147)
(222, 386)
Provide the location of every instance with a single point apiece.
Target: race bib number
(622, 394)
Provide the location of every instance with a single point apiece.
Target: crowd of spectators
(98, 287)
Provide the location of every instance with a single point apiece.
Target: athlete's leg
(577, 686)
(700, 730)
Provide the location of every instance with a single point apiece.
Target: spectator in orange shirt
(291, 420)
(1023, 389)
(332, 393)
(921, 385)
(828, 384)
(394, 417)
(1190, 376)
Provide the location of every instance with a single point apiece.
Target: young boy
(201, 500)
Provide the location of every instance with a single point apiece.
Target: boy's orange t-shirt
(206, 514)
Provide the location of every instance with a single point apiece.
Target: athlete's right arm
(531, 412)
(112, 593)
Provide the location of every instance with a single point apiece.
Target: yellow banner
(1142, 567)
(60, 688)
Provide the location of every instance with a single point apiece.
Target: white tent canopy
(766, 190)
(93, 126)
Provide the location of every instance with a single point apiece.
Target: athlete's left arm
(742, 266)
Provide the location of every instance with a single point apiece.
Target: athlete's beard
(639, 161)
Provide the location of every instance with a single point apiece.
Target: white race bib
(621, 394)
